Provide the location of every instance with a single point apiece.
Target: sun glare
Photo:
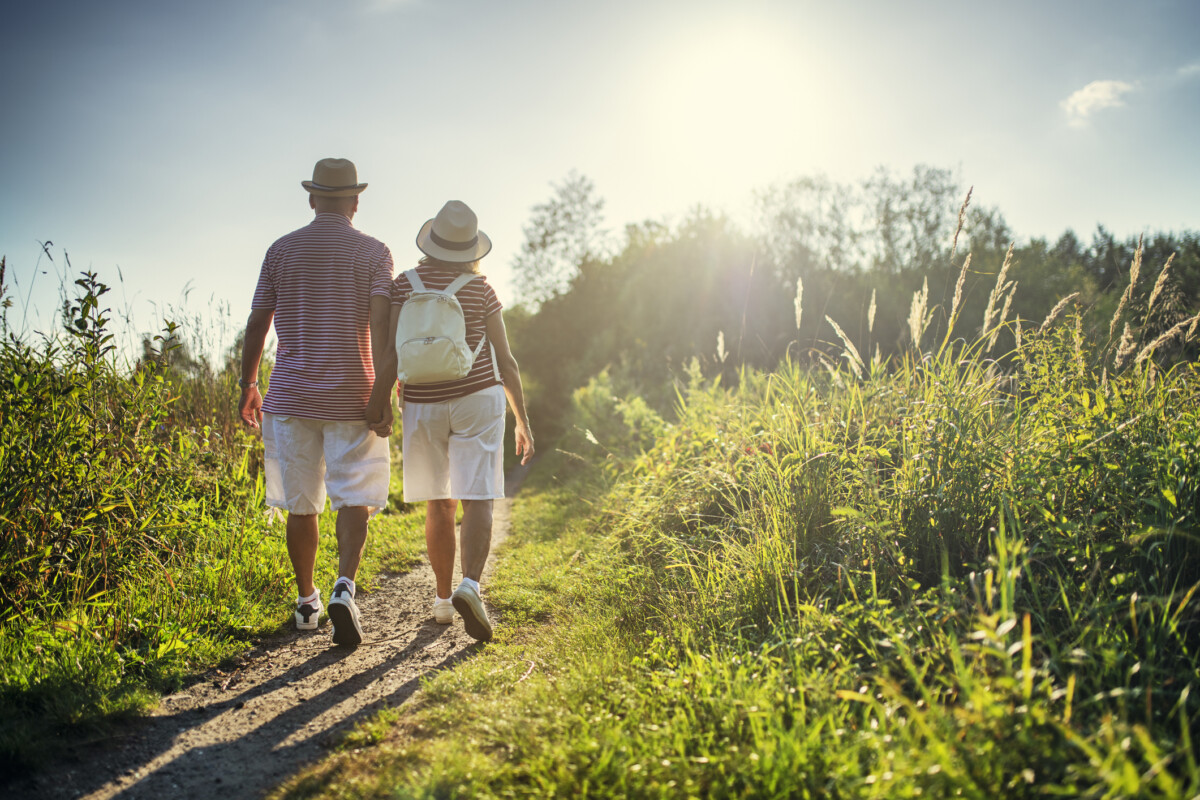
(736, 98)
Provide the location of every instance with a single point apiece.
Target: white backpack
(431, 335)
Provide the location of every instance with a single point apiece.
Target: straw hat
(334, 177)
(454, 235)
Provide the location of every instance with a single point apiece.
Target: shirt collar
(332, 218)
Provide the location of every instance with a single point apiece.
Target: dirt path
(240, 734)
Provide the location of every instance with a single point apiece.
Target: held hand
(524, 440)
(379, 416)
(382, 428)
(250, 407)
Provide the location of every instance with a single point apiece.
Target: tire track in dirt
(288, 701)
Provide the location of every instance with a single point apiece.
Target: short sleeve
(264, 294)
(401, 289)
(491, 303)
(381, 281)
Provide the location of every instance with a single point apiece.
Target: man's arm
(257, 328)
(383, 354)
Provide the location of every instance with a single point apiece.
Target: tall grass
(134, 549)
(130, 542)
(946, 576)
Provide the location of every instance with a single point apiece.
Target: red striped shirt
(319, 281)
(478, 301)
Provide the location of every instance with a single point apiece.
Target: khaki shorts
(455, 449)
(305, 458)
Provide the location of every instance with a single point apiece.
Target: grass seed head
(1056, 311)
(1125, 349)
(917, 314)
(958, 289)
(1159, 285)
(1136, 268)
(799, 301)
(1175, 330)
(1003, 316)
(850, 351)
(997, 290)
(962, 218)
(1127, 295)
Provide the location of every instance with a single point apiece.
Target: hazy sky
(168, 140)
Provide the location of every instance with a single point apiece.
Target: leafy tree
(563, 233)
(810, 223)
(704, 292)
(914, 218)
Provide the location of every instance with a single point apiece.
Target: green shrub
(130, 544)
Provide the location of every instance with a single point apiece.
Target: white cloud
(1096, 96)
(1191, 70)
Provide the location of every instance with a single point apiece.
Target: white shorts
(307, 457)
(455, 449)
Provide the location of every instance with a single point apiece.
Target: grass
(934, 580)
(961, 573)
(68, 679)
(134, 549)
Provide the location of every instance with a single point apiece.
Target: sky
(162, 145)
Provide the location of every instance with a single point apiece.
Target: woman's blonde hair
(467, 266)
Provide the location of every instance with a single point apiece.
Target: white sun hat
(454, 235)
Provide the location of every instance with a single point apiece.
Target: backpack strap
(478, 348)
(455, 285)
(491, 352)
(459, 282)
(415, 280)
(419, 286)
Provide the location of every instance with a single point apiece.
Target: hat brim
(425, 243)
(326, 191)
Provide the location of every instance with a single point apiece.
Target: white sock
(346, 581)
(439, 597)
(312, 598)
(474, 584)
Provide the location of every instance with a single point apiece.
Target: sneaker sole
(476, 628)
(345, 627)
(301, 625)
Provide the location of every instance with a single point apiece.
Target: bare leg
(302, 541)
(352, 539)
(439, 541)
(476, 536)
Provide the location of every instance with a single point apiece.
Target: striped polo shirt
(319, 281)
(478, 301)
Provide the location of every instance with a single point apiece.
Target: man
(327, 288)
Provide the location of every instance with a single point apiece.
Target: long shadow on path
(295, 698)
(240, 735)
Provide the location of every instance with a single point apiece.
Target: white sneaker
(344, 614)
(443, 610)
(469, 604)
(307, 614)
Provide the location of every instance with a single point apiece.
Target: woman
(454, 430)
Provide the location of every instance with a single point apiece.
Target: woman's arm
(511, 374)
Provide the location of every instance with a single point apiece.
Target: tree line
(874, 263)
